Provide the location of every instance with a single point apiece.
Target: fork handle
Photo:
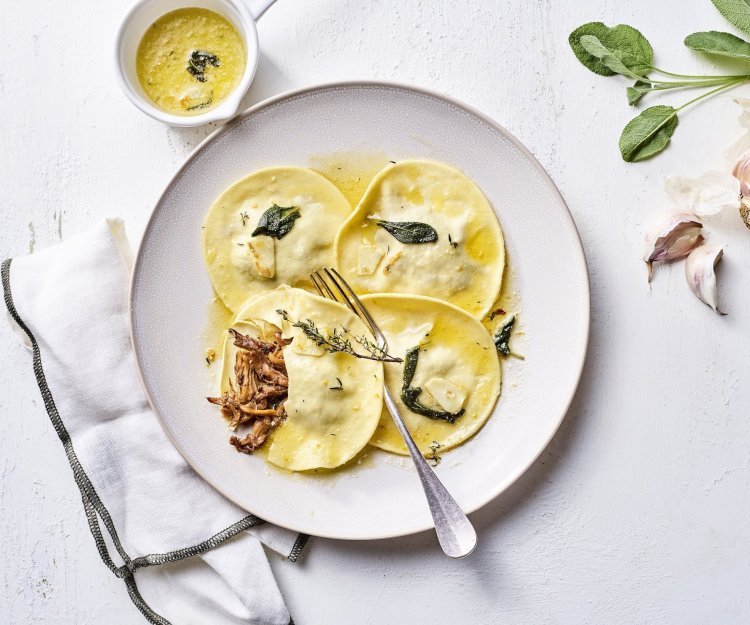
(455, 532)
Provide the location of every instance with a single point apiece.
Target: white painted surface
(636, 513)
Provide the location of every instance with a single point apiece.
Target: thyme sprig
(340, 340)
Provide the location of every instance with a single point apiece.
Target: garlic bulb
(672, 238)
(741, 171)
(700, 274)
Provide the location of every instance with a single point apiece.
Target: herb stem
(674, 113)
(671, 84)
(692, 76)
(337, 342)
(728, 85)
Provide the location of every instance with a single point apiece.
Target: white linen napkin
(187, 555)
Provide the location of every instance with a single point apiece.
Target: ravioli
(464, 266)
(241, 265)
(457, 370)
(334, 400)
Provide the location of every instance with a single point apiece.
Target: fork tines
(331, 285)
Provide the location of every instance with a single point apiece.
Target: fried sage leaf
(409, 231)
(197, 63)
(648, 134)
(277, 221)
(410, 394)
(502, 339)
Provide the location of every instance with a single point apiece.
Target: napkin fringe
(93, 505)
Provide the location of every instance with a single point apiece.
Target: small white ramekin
(241, 13)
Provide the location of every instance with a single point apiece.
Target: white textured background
(636, 513)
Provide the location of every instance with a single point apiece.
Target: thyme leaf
(340, 340)
(339, 386)
(410, 394)
(408, 231)
(277, 221)
(198, 61)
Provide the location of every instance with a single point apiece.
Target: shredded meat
(260, 388)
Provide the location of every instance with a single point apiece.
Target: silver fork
(454, 530)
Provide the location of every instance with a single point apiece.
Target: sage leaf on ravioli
(463, 264)
(458, 370)
(245, 256)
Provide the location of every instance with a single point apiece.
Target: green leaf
(409, 231)
(637, 91)
(610, 58)
(410, 394)
(197, 64)
(277, 221)
(502, 337)
(721, 44)
(737, 12)
(622, 42)
(596, 29)
(648, 134)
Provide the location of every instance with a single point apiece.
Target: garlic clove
(741, 171)
(708, 194)
(672, 238)
(700, 274)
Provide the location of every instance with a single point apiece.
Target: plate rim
(502, 485)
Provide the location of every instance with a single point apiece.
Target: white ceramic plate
(381, 496)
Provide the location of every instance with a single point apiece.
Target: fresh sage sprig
(623, 50)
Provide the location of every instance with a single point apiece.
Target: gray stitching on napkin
(93, 506)
(160, 558)
(88, 493)
(299, 545)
